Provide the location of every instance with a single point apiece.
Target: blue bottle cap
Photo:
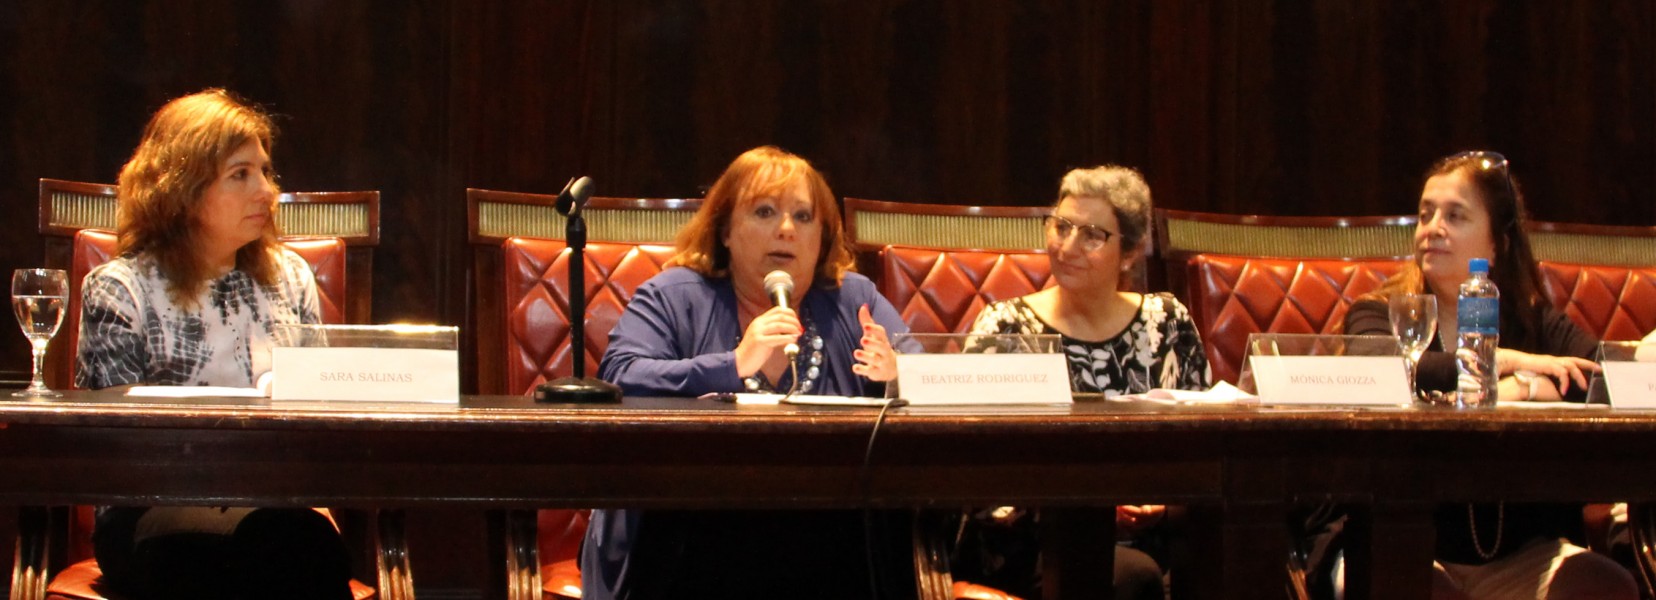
(1478, 265)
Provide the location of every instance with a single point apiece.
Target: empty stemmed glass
(1414, 320)
(39, 297)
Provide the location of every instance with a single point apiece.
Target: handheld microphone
(779, 285)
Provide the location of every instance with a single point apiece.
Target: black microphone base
(570, 390)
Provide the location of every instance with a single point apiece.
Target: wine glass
(1414, 320)
(39, 297)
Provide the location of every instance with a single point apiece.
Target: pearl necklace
(1500, 524)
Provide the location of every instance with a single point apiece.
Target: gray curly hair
(1123, 187)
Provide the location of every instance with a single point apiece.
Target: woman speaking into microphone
(759, 298)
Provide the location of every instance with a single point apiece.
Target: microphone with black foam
(779, 285)
(574, 195)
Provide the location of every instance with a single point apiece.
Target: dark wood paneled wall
(1296, 107)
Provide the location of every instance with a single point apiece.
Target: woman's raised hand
(876, 360)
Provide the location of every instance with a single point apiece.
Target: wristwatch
(1527, 380)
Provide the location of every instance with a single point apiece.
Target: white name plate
(366, 375)
(943, 379)
(1341, 380)
(1631, 384)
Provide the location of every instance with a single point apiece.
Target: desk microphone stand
(577, 389)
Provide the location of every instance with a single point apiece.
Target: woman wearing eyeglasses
(1116, 342)
(1471, 208)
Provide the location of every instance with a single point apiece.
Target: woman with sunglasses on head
(1470, 207)
(1116, 342)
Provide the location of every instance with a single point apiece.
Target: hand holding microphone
(776, 327)
(779, 286)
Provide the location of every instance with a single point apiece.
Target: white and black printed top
(132, 333)
(1160, 348)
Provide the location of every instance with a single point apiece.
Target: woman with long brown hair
(192, 299)
(1470, 207)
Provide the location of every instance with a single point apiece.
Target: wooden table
(1239, 468)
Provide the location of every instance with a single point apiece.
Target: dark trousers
(239, 553)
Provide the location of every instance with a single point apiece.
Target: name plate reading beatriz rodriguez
(366, 375)
(942, 379)
(1632, 385)
(1339, 380)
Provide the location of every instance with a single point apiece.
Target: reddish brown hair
(160, 189)
(758, 173)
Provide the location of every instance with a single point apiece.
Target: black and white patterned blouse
(132, 333)
(1160, 348)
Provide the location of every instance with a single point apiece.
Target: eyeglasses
(1092, 237)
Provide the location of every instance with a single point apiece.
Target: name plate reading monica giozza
(1342, 380)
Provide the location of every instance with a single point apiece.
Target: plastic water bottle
(1477, 321)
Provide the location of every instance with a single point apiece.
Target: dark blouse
(1518, 522)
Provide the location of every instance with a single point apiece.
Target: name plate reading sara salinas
(943, 379)
(366, 374)
(1341, 380)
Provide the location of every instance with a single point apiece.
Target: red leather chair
(940, 264)
(1233, 296)
(521, 283)
(520, 279)
(1613, 303)
(1242, 274)
(536, 342)
(941, 290)
(74, 211)
(1603, 276)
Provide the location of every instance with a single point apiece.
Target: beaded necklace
(810, 361)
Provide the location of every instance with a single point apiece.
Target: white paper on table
(193, 391)
(1221, 393)
(809, 400)
(1532, 404)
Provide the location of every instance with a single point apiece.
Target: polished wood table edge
(106, 409)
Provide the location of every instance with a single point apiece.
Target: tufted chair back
(537, 319)
(1603, 276)
(938, 290)
(1233, 296)
(521, 278)
(1241, 274)
(940, 264)
(1611, 302)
